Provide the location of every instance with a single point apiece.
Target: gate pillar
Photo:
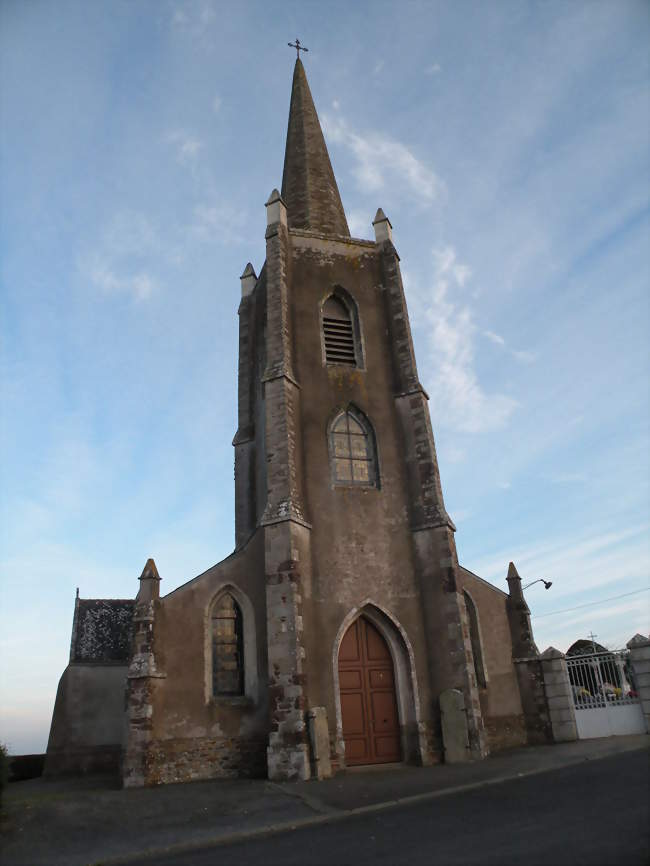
(639, 647)
(559, 697)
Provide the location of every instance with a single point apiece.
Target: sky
(508, 144)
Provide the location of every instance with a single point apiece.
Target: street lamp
(547, 583)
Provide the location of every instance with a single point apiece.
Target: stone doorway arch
(402, 664)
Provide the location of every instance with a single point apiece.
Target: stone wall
(500, 698)
(189, 759)
(505, 732)
(530, 678)
(639, 647)
(173, 715)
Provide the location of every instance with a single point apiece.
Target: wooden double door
(368, 702)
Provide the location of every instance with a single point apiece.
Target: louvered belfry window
(338, 332)
(227, 648)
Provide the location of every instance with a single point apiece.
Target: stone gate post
(559, 697)
(639, 647)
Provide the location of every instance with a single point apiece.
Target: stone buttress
(437, 565)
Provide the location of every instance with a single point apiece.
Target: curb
(335, 815)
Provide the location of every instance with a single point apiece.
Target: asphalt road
(594, 813)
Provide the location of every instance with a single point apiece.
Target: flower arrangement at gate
(581, 693)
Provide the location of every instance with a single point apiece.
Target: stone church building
(342, 630)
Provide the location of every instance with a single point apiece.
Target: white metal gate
(604, 697)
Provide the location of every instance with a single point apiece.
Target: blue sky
(508, 144)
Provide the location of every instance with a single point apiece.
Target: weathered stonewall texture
(454, 726)
(141, 681)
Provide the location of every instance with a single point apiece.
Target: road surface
(595, 813)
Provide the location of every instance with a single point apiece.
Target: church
(342, 630)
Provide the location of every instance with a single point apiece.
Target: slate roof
(102, 630)
(309, 187)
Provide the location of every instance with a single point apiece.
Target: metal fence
(601, 679)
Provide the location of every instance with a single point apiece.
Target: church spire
(308, 184)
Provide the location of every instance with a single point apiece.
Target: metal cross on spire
(297, 46)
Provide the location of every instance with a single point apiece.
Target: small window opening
(227, 648)
(338, 333)
(352, 449)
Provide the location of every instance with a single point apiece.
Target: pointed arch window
(341, 334)
(227, 647)
(353, 452)
(475, 638)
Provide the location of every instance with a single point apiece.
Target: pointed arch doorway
(371, 728)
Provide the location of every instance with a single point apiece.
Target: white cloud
(140, 285)
(193, 17)
(336, 104)
(524, 357)
(458, 399)
(382, 161)
(434, 69)
(454, 454)
(379, 65)
(568, 478)
(217, 102)
(359, 224)
(504, 485)
(121, 263)
(615, 623)
(217, 221)
(576, 565)
(187, 146)
(495, 338)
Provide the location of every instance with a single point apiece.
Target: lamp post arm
(547, 583)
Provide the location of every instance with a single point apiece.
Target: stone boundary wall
(78, 760)
(530, 677)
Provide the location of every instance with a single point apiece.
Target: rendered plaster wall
(193, 734)
(500, 700)
(88, 721)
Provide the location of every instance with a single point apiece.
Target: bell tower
(335, 464)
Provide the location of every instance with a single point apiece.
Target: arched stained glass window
(227, 647)
(352, 450)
